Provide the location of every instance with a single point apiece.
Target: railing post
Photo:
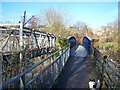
(52, 68)
(103, 69)
(62, 58)
(22, 79)
(1, 59)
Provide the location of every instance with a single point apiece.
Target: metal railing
(19, 46)
(41, 77)
(109, 71)
(11, 65)
(13, 39)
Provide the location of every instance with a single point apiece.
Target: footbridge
(60, 69)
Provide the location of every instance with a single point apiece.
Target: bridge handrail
(44, 69)
(33, 67)
(105, 73)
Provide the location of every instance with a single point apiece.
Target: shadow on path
(76, 73)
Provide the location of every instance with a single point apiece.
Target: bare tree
(111, 46)
(111, 31)
(33, 22)
(54, 20)
(82, 27)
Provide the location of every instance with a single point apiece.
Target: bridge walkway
(76, 73)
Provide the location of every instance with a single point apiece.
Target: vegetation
(108, 42)
(54, 21)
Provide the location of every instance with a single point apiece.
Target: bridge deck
(76, 73)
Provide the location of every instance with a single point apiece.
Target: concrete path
(76, 73)
(78, 51)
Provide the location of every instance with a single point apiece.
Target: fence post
(103, 69)
(52, 67)
(22, 81)
(1, 59)
(62, 58)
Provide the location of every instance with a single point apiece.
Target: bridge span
(61, 69)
